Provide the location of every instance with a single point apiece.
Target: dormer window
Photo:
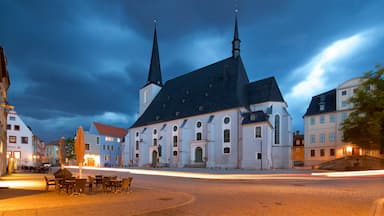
(321, 107)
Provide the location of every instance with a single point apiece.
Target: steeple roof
(154, 74)
(236, 41)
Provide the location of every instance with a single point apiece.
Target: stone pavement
(26, 196)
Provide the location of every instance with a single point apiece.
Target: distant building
(20, 143)
(39, 150)
(52, 153)
(322, 125)
(103, 145)
(4, 108)
(211, 117)
(298, 149)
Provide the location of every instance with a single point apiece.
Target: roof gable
(108, 130)
(327, 99)
(264, 90)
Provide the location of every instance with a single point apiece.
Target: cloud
(66, 125)
(328, 68)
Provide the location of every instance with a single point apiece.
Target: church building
(212, 117)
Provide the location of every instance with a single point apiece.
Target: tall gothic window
(227, 136)
(277, 129)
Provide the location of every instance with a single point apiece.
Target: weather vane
(236, 7)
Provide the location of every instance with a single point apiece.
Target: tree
(365, 125)
(70, 148)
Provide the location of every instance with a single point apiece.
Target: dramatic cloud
(74, 62)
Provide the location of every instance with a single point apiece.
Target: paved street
(287, 193)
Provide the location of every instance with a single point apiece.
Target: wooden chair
(49, 182)
(91, 181)
(126, 184)
(80, 186)
(98, 181)
(107, 187)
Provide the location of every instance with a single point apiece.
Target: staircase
(353, 163)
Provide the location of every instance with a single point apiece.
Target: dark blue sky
(73, 62)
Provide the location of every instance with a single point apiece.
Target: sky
(74, 62)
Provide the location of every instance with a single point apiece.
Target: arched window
(277, 129)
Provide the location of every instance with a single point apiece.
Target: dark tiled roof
(219, 86)
(110, 130)
(253, 117)
(327, 98)
(264, 90)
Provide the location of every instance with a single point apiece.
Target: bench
(49, 182)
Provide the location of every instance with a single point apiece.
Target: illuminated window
(12, 139)
(109, 139)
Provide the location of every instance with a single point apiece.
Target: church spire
(236, 41)
(154, 75)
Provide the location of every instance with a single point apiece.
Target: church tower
(236, 41)
(154, 81)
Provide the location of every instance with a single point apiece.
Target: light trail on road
(351, 173)
(197, 175)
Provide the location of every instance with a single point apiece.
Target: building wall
(318, 150)
(215, 151)
(18, 147)
(92, 156)
(298, 147)
(4, 85)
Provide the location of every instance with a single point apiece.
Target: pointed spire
(154, 75)
(236, 41)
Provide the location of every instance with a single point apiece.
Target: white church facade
(212, 117)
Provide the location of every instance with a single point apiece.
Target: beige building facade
(322, 125)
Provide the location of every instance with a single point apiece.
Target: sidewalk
(26, 196)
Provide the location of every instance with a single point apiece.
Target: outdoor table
(70, 184)
(114, 184)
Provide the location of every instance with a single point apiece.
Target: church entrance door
(198, 154)
(154, 158)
